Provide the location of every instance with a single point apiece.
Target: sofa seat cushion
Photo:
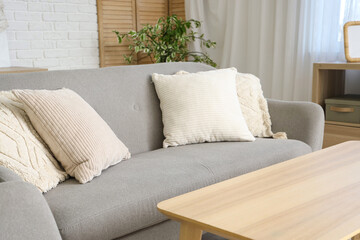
(124, 198)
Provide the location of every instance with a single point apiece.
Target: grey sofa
(121, 203)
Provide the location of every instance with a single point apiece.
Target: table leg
(189, 232)
(356, 237)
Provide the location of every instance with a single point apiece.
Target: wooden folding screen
(114, 15)
(126, 15)
(148, 12)
(177, 7)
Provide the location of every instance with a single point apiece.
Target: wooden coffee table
(315, 196)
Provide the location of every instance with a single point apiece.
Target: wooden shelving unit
(329, 81)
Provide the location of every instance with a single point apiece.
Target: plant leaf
(167, 41)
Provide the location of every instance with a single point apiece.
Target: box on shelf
(343, 109)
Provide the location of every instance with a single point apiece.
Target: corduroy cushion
(78, 137)
(200, 107)
(21, 148)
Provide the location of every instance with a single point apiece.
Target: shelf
(338, 66)
(328, 82)
(357, 125)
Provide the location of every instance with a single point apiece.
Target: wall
(352, 82)
(55, 34)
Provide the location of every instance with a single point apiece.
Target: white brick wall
(55, 34)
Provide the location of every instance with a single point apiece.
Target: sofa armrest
(302, 121)
(7, 175)
(24, 213)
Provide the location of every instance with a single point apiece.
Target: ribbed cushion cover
(200, 107)
(78, 137)
(252, 102)
(21, 148)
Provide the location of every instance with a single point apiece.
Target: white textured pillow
(253, 104)
(79, 138)
(21, 148)
(200, 107)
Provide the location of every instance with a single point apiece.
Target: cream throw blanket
(254, 106)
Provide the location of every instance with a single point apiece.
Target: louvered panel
(118, 17)
(148, 12)
(144, 59)
(117, 52)
(177, 7)
(116, 21)
(113, 26)
(118, 8)
(114, 15)
(115, 56)
(110, 34)
(111, 49)
(125, 3)
(126, 15)
(118, 13)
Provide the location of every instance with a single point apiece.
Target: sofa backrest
(124, 96)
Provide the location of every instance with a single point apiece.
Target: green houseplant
(167, 41)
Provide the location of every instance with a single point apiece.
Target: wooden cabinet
(329, 81)
(336, 133)
(126, 15)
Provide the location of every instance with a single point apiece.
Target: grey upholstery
(24, 213)
(124, 198)
(6, 175)
(121, 203)
(123, 96)
(168, 230)
(303, 121)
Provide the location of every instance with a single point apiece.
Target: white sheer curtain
(277, 40)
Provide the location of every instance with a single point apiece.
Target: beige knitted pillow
(253, 105)
(79, 138)
(199, 108)
(21, 148)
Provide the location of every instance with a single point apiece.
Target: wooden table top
(315, 196)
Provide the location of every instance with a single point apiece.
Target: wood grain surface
(328, 82)
(314, 196)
